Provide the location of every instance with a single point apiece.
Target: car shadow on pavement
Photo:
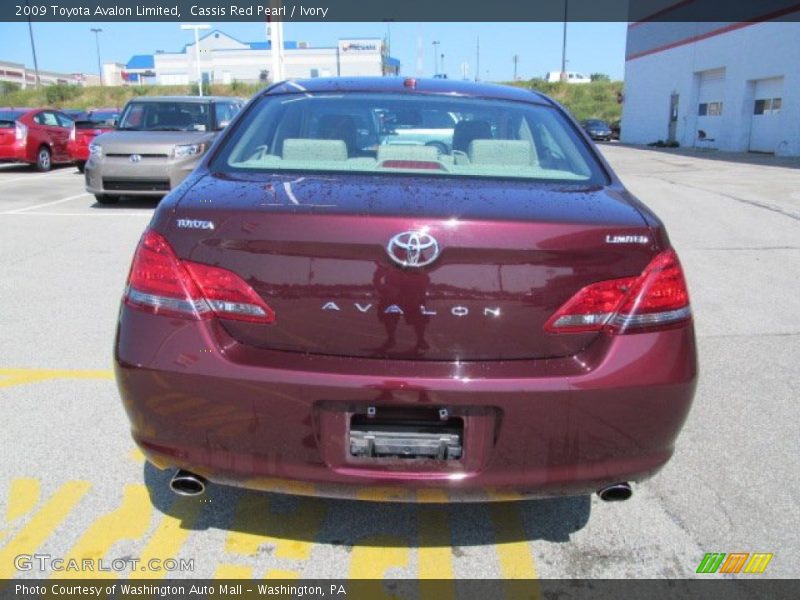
(129, 202)
(362, 523)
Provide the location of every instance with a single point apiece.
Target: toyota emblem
(135, 158)
(413, 249)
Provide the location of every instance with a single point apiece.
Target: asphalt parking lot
(73, 484)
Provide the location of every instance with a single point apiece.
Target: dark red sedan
(97, 121)
(327, 307)
(37, 136)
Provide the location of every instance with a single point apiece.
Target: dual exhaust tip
(185, 483)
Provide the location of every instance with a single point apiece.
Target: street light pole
(197, 53)
(33, 50)
(564, 45)
(96, 32)
(435, 58)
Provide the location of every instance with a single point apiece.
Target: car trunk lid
(318, 250)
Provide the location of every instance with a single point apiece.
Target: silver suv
(156, 144)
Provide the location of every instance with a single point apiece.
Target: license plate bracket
(406, 440)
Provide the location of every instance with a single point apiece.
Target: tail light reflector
(161, 283)
(72, 132)
(655, 299)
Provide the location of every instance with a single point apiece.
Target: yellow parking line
(292, 533)
(372, 557)
(170, 535)
(22, 497)
(233, 572)
(435, 553)
(281, 574)
(11, 377)
(128, 522)
(513, 550)
(41, 525)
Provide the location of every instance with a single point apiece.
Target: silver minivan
(156, 144)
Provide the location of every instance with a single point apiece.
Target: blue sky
(592, 47)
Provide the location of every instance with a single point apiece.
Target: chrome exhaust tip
(185, 483)
(616, 493)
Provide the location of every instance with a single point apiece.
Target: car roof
(398, 84)
(198, 99)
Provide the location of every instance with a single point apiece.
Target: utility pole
(436, 58)
(516, 60)
(564, 45)
(33, 50)
(441, 65)
(478, 61)
(96, 32)
(197, 53)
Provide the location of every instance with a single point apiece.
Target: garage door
(710, 99)
(765, 130)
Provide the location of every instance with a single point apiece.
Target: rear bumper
(15, 153)
(279, 421)
(136, 179)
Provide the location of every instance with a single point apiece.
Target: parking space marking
(515, 557)
(257, 524)
(233, 572)
(130, 521)
(372, 557)
(22, 498)
(36, 176)
(51, 203)
(435, 549)
(12, 377)
(42, 525)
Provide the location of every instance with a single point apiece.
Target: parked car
(616, 128)
(305, 317)
(157, 143)
(76, 114)
(597, 129)
(37, 136)
(97, 121)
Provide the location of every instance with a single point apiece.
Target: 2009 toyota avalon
(323, 309)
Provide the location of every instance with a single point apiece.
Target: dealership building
(728, 86)
(224, 59)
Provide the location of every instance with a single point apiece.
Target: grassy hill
(71, 96)
(590, 100)
(597, 99)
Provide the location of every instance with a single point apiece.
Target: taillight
(20, 131)
(72, 132)
(161, 283)
(655, 299)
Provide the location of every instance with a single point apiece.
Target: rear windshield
(403, 133)
(165, 116)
